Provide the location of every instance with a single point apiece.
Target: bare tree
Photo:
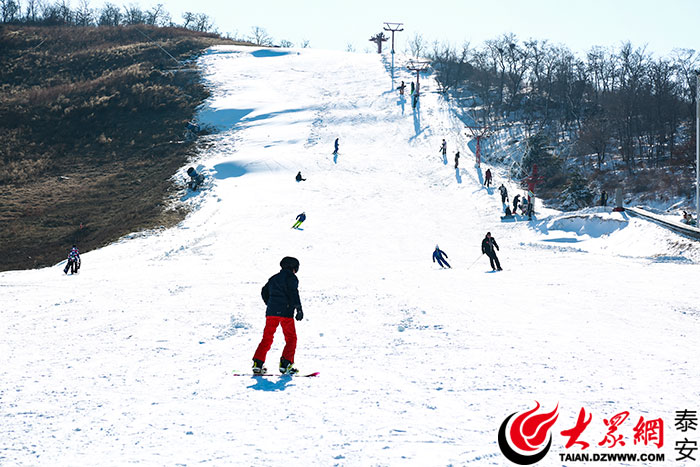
(84, 15)
(305, 44)
(595, 136)
(259, 36)
(10, 11)
(203, 22)
(133, 14)
(686, 61)
(189, 18)
(416, 45)
(157, 15)
(33, 7)
(517, 61)
(110, 15)
(286, 44)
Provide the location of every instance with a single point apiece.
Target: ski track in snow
(130, 361)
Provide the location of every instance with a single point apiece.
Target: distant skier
(530, 204)
(487, 178)
(402, 88)
(524, 209)
(413, 87)
(281, 295)
(688, 219)
(439, 256)
(298, 177)
(504, 193)
(443, 150)
(73, 262)
(196, 179)
(487, 248)
(516, 200)
(457, 159)
(604, 198)
(337, 144)
(300, 218)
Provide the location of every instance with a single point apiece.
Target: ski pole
(477, 259)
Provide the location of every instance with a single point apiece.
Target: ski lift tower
(417, 66)
(479, 133)
(393, 27)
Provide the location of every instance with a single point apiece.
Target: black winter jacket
(281, 294)
(487, 246)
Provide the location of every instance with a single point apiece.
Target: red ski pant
(290, 338)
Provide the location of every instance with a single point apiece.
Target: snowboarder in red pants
(281, 295)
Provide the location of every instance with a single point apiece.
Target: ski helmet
(290, 263)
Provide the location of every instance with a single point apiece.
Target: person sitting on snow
(688, 218)
(298, 177)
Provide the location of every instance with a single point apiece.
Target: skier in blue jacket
(300, 218)
(440, 256)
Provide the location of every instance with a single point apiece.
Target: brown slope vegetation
(92, 125)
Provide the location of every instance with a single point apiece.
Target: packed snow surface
(131, 360)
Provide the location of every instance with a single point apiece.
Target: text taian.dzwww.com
(612, 457)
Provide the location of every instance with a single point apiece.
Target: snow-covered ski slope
(131, 360)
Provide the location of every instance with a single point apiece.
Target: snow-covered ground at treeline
(131, 361)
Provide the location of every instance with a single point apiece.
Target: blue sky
(329, 24)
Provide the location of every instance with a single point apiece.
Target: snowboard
(296, 375)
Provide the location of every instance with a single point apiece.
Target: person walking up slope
(281, 296)
(487, 178)
(487, 248)
(439, 256)
(73, 262)
(504, 193)
(300, 218)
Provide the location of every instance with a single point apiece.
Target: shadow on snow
(262, 383)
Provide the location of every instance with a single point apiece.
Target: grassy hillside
(92, 127)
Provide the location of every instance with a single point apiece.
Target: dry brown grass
(91, 126)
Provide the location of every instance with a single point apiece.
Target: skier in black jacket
(504, 193)
(281, 295)
(487, 248)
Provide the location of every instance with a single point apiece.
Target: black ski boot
(258, 368)
(286, 367)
